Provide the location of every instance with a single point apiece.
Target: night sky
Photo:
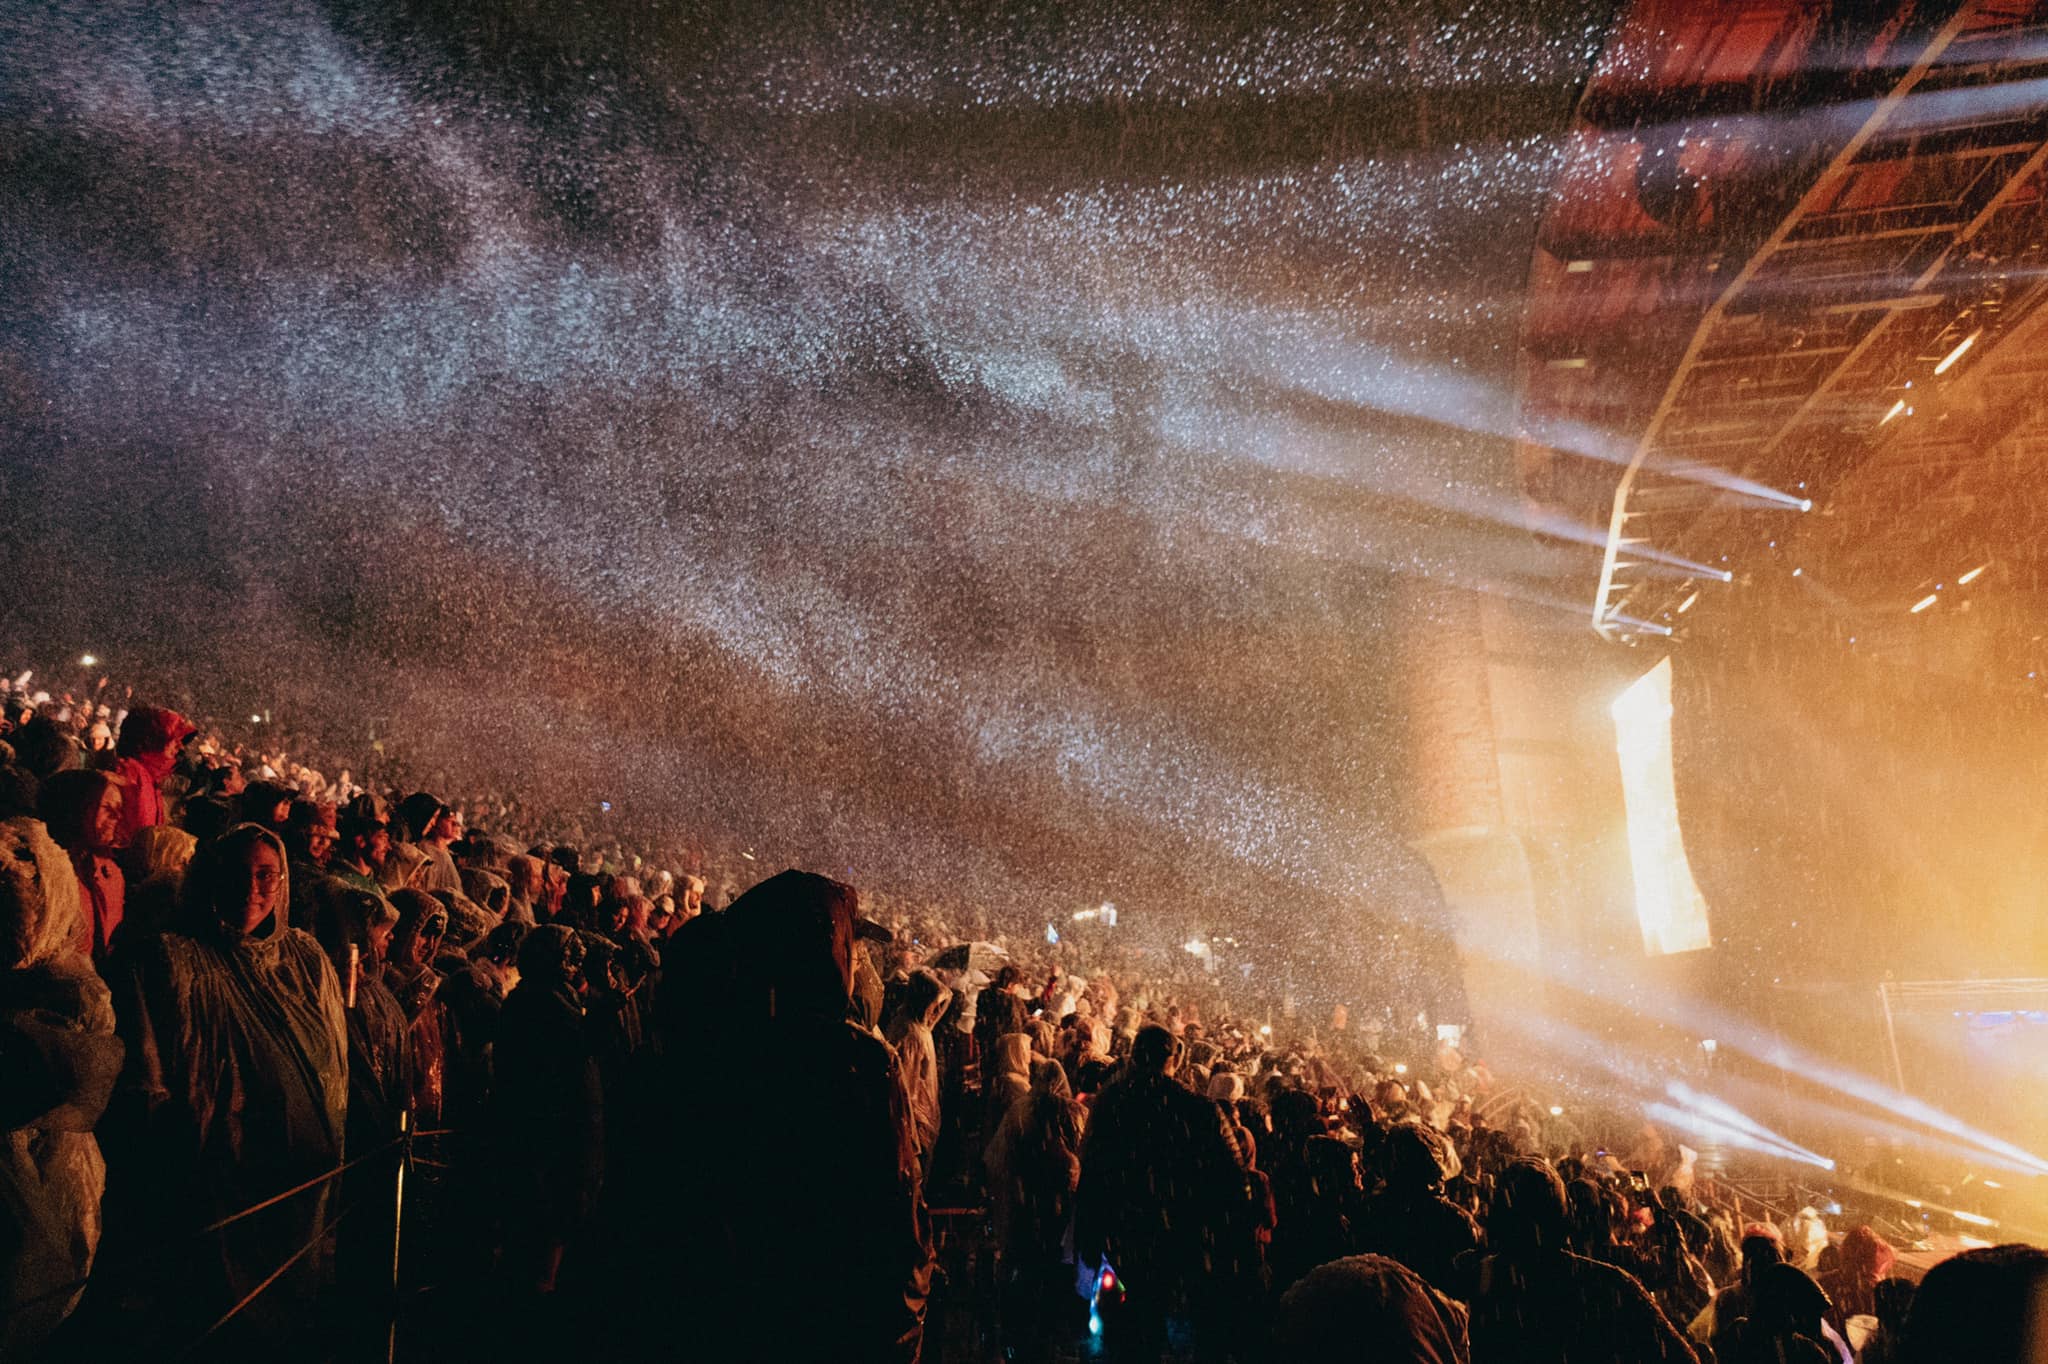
(971, 448)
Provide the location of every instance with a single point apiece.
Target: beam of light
(1669, 906)
(1948, 361)
(1713, 476)
(1596, 980)
(1930, 599)
(1972, 575)
(1832, 1116)
(1725, 1134)
(1721, 1110)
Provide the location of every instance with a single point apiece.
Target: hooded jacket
(235, 1089)
(58, 1061)
(142, 763)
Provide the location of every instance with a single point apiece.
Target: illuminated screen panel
(1669, 905)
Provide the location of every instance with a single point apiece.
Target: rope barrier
(296, 1190)
(177, 1243)
(274, 1275)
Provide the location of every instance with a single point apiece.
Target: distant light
(1925, 602)
(749, 856)
(1797, 572)
(1578, 267)
(1897, 408)
(255, 719)
(1265, 1029)
(1957, 353)
(1556, 1110)
(1991, 1184)
(1915, 1203)
(1805, 503)
(1195, 947)
(1974, 1219)
(1709, 1045)
(1400, 1069)
(1569, 362)
(87, 661)
(1686, 605)
(1972, 575)
(1052, 935)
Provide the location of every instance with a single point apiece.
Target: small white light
(1709, 1046)
(1972, 575)
(87, 661)
(255, 719)
(1556, 1110)
(1925, 602)
(1265, 1030)
(1974, 1219)
(1400, 1069)
(1686, 605)
(1798, 572)
(1897, 408)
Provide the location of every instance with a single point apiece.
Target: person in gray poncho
(235, 1089)
(58, 1060)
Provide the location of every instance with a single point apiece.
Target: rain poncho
(58, 1061)
(1370, 1307)
(235, 1089)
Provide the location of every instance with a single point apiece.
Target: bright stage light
(1669, 906)
(1947, 361)
(1972, 575)
(1925, 602)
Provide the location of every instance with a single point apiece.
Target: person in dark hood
(822, 1256)
(1163, 1194)
(1535, 1301)
(1410, 1220)
(267, 803)
(1983, 1304)
(58, 1062)
(144, 755)
(354, 927)
(1370, 1307)
(1785, 1321)
(235, 1089)
(83, 813)
(548, 1108)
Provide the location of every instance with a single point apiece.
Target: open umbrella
(970, 956)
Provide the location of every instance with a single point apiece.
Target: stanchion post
(398, 1233)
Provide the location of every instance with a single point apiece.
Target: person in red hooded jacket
(143, 757)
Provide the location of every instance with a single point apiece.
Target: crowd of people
(259, 1027)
